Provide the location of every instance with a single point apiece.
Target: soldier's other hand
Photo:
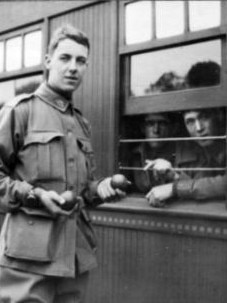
(107, 193)
(158, 195)
(52, 201)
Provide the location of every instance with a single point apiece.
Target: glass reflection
(138, 22)
(13, 53)
(1, 56)
(32, 48)
(204, 14)
(9, 89)
(169, 18)
(169, 70)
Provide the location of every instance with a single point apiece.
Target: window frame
(174, 100)
(23, 71)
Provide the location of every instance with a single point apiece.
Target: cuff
(183, 189)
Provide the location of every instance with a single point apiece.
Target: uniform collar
(48, 95)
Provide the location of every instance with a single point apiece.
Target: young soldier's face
(67, 65)
(200, 124)
(156, 126)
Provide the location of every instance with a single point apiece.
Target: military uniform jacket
(45, 142)
(201, 185)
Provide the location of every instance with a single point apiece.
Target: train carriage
(141, 62)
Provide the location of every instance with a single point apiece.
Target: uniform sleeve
(12, 129)
(201, 189)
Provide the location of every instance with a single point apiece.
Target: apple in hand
(70, 200)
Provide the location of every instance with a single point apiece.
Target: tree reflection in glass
(166, 70)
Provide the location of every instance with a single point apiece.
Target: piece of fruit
(70, 200)
(120, 181)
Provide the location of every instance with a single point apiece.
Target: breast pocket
(43, 155)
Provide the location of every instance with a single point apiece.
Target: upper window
(32, 48)
(169, 18)
(13, 54)
(147, 20)
(204, 14)
(21, 50)
(138, 22)
(1, 56)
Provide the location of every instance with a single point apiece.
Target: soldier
(46, 162)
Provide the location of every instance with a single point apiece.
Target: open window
(173, 68)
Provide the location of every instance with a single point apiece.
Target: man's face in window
(201, 124)
(156, 126)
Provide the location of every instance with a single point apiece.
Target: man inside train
(201, 160)
(155, 127)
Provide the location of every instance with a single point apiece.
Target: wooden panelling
(17, 13)
(97, 95)
(148, 258)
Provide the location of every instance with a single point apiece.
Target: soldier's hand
(107, 193)
(52, 201)
(162, 170)
(158, 195)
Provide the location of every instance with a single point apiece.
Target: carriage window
(204, 14)
(33, 47)
(169, 18)
(13, 53)
(150, 20)
(193, 142)
(174, 86)
(1, 56)
(21, 50)
(149, 77)
(138, 22)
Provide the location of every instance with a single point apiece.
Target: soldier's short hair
(67, 32)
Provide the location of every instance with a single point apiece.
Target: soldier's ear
(47, 61)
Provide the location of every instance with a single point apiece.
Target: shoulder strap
(18, 99)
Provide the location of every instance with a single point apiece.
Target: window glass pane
(204, 14)
(169, 18)
(6, 91)
(138, 22)
(9, 89)
(198, 66)
(33, 49)
(1, 56)
(13, 53)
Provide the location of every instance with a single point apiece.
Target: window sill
(132, 204)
